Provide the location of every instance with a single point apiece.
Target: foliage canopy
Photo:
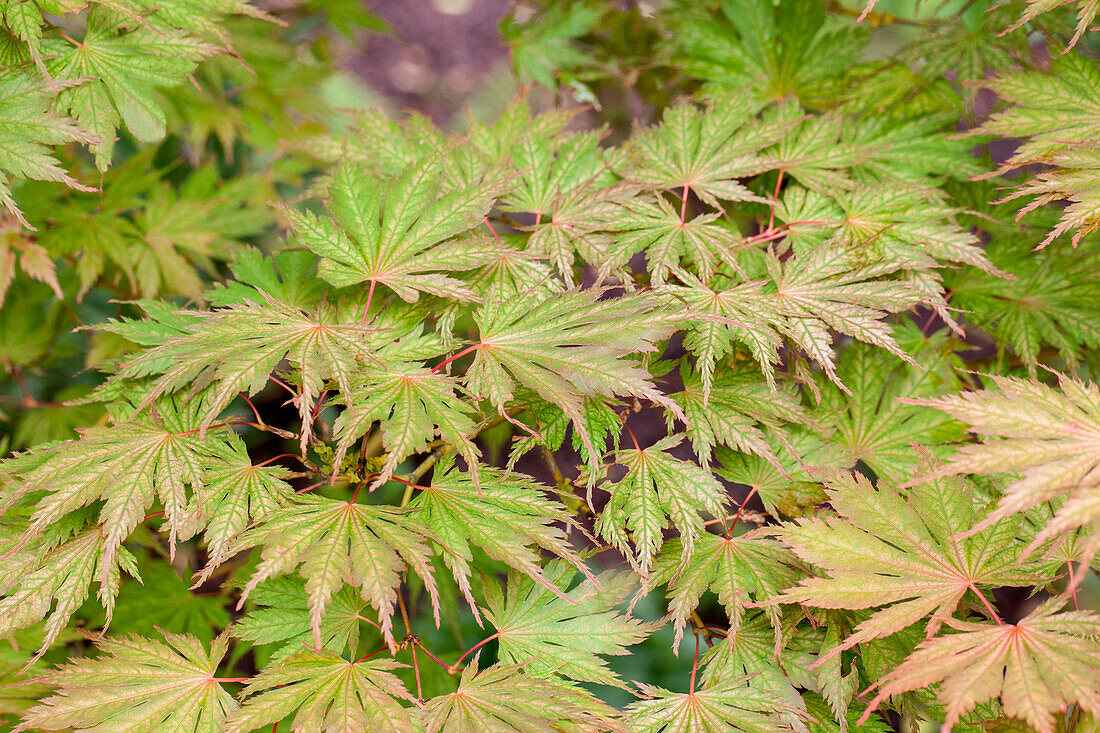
(355, 424)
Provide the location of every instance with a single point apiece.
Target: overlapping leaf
(740, 571)
(333, 542)
(1050, 438)
(52, 583)
(281, 615)
(413, 405)
(156, 457)
(901, 555)
(566, 348)
(122, 72)
(27, 128)
(325, 692)
(566, 633)
(507, 517)
(235, 349)
(1036, 667)
(658, 491)
(401, 232)
(138, 684)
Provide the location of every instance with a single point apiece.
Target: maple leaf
(704, 151)
(400, 232)
(732, 412)
(772, 51)
(325, 692)
(505, 699)
(724, 311)
(730, 705)
(413, 405)
(122, 72)
(334, 542)
(654, 226)
(138, 684)
(282, 614)
(566, 348)
(507, 517)
(127, 466)
(907, 224)
(740, 571)
(1051, 438)
(318, 344)
(543, 45)
(40, 578)
(1036, 667)
(27, 127)
(821, 290)
(657, 491)
(1056, 113)
(287, 276)
(564, 633)
(871, 422)
(1051, 301)
(904, 554)
(234, 495)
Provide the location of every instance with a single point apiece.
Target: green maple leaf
(138, 684)
(1056, 112)
(235, 495)
(654, 226)
(235, 349)
(564, 184)
(741, 571)
(1052, 300)
(1046, 436)
(287, 276)
(162, 600)
(724, 311)
(324, 692)
(28, 126)
(792, 488)
(903, 554)
(907, 224)
(123, 72)
(128, 466)
(704, 151)
(413, 405)
(282, 615)
(505, 699)
(870, 423)
(657, 491)
(333, 542)
(733, 411)
(544, 46)
(38, 579)
(507, 517)
(1041, 665)
(729, 705)
(400, 232)
(566, 348)
(820, 290)
(564, 633)
(773, 50)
